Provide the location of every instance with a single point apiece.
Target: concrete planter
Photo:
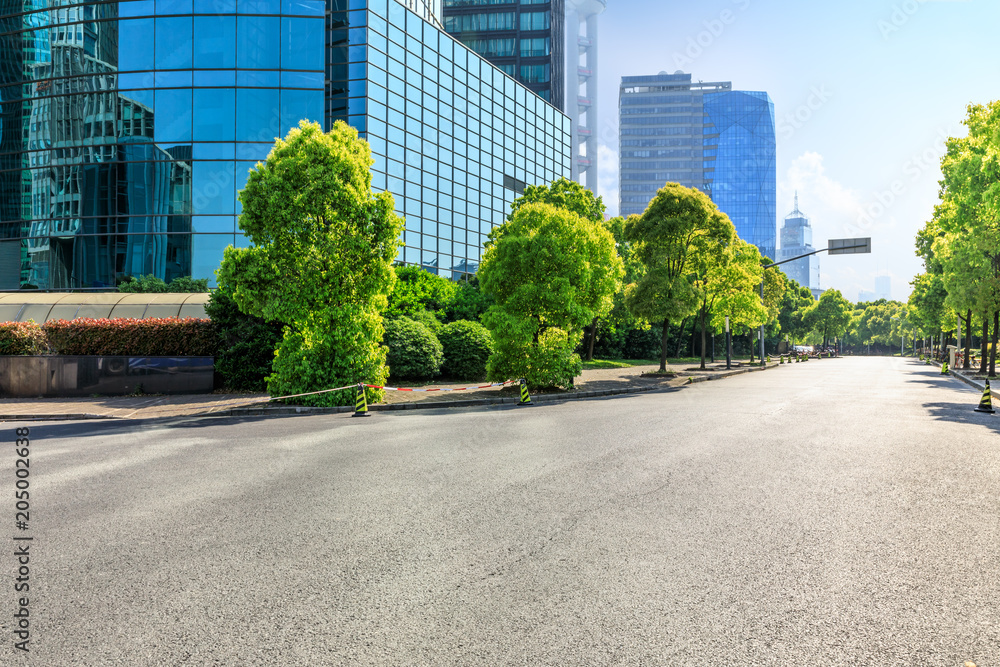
(55, 376)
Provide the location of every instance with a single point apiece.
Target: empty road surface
(839, 512)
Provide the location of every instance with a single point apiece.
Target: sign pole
(729, 346)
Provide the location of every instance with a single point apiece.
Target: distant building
(524, 40)
(865, 296)
(705, 136)
(796, 239)
(883, 287)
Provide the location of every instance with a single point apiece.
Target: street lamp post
(762, 361)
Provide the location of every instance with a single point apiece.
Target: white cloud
(833, 210)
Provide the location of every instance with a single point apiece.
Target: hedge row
(153, 337)
(22, 338)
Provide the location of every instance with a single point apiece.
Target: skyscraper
(523, 39)
(883, 287)
(129, 128)
(701, 135)
(796, 239)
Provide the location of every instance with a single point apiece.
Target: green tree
(726, 280)
(795, 300)
(564, 194)
(321, 261)
(246, 343)
(470, 302)
(970, 212)
(678, 224)
(738, 296)
(416, 290)
(550, 272)
(830, 316)
(570, 196)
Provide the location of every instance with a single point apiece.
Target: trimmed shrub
(167, 337)
(428, 319)
(150, 284)
(246, 343)
(467, 345)
(22, 338)
(415, 353)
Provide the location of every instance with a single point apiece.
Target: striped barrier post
(361, 403)
(525, 396)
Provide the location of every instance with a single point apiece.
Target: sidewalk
(591, 384)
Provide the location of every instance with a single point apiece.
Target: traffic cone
(525, 396)
(986, 402)
(944, 368)
(781, 360)
(361, 403)
(797, 360)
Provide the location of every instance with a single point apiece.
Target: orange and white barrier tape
(482, 386)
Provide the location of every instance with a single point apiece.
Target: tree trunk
(993, 349)
(702, 338)
(680, 336)
(984, 350)
(593, 335)
(750, 336)
(966, 363)
(663, 345)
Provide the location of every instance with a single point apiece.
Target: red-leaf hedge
(22, 338)
(153, 337)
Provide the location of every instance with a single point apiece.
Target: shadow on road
(963, 413)
(101, 427)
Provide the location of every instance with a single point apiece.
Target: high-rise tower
(796, 239)
(705, 136)
(523, 39)
(581, 97)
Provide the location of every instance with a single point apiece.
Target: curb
(975, 384)
(429, 405)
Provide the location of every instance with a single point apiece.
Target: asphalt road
(839, 512)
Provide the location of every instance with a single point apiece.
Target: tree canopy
(679, 225)
(321, 261)
(550, 272)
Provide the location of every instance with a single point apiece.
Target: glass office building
(743, 176)
(127, 129)
(705, 136)
(524, 38)
(454, 138)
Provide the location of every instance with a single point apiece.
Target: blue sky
(864, 92)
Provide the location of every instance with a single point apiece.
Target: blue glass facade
(743, 175)
(127, 129)
(705, 136)
(455, 140)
